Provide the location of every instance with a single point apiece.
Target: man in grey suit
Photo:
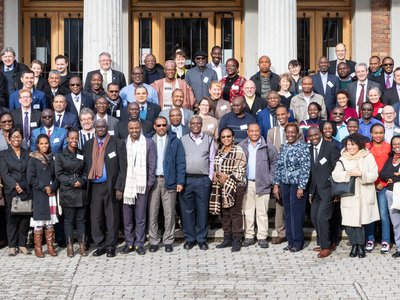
(177, 102)
(175, 118)
(101, 108)
(358, 90)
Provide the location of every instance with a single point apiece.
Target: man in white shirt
(215, 64)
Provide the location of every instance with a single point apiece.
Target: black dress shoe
(111, 253)
(153, 248)
(354, 251)
(287, 248)
(168, 248)
(140, 250)
(203, 246)
(127, 249)
(396, 254)
(189, 245)
(99, 252)
(361, 251)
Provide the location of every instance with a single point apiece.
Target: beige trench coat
(362, 208)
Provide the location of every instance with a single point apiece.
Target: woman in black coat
(41, 178)
(70, 174)
(14, 162)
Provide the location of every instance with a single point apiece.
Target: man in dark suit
(148, 111)
(340, 50)
(105, 161)
(386, 78)
(358, 90)
(177, 102)
(25, 117)
(62, 63)
(63, 118)
(175, 119)
(326, 84)
(324, 156)
(54, 87)
(392, 95)
(101, 106)
(115, 102)
(77, 99)
(121, 130)
(109, 75)
(253, 104)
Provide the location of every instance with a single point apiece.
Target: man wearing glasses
(392, 95)
(338, 117)
(128, 93)
(114, 100)
(200, 77)
(389, 117)
(170, 179)
(386, 78)
(77, 99)
(109, 75)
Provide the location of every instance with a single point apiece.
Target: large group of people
(187, 147)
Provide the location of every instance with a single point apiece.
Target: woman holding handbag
(41, 178)
(71, 176)
(361, 208)
(13, 167)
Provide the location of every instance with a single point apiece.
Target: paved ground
(195, 274)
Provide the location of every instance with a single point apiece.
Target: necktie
(54, 92)
(142, 114)
(26, 128)
(387, 83)
(76, 98)
(7, 69)
(48, 132)
(58, 123)
(105, 82)
(100, 145)
(315, 155)
(361, 97)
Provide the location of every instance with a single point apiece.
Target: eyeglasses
(136, 74)
(387, 65)
(337, 114)
(75, 84)
(6, 121)
(366, 109)
(226, 136)
(161, 125)
(388, 113)
(200, 58)
(113, 92)
(47, 117)
(25, 97)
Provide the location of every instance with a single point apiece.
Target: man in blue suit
(39, 100)
(63, 118)
(77, 99)
(326, 84)
(57, 135)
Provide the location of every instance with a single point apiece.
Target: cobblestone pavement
(217, 273)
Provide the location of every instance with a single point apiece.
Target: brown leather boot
(70, 250)
(50, 241)
(82, 249)
(38, 237)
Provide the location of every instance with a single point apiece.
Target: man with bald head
(389, 116)
(128, 93)
(64, 118)
(175, 119)
(340, 50)
(121, 130)
(170, 83)
(265, 79)
(253, 104)
(300, 102)
(177, 102)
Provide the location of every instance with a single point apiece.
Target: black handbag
(21, 207)
(343, 188)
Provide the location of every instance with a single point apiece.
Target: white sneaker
(369, 246)
(385, 248)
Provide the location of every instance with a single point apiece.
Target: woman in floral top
(291, 177)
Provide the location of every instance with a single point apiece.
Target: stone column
(395, 34)
(277, 32)
(102, 31)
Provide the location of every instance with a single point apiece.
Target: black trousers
(17, 226)
(321, 215)
(74, 215)
(104, 214)
(356, 235)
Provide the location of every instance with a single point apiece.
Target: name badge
(330, 84)
(210, 126)
(36, 106)
(111, 132)
(205, 80)
(33, 124)
(396, 130)
(323, 161)
(243, 127)
(79, 156)
(352, 75)
(235, 87)
(118, 113)
(56, 140)
(224, 107)
(380, 110)
(300, 88)
(112, 154)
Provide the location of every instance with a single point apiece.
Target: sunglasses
(47, 117)
(161, 125)
(338, 114)
(387, 65)
(75, 84)
(226, 136)
(6, 121)
(113, 92)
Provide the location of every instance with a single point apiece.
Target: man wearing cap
(200, 77)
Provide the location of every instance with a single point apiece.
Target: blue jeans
(294, 215)
(384, 214)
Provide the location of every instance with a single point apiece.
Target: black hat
(200, 53)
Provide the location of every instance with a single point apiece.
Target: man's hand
(118, 195)
(179, 188)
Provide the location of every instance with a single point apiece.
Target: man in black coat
(105, 162)
(132, 112)
(324, 156)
